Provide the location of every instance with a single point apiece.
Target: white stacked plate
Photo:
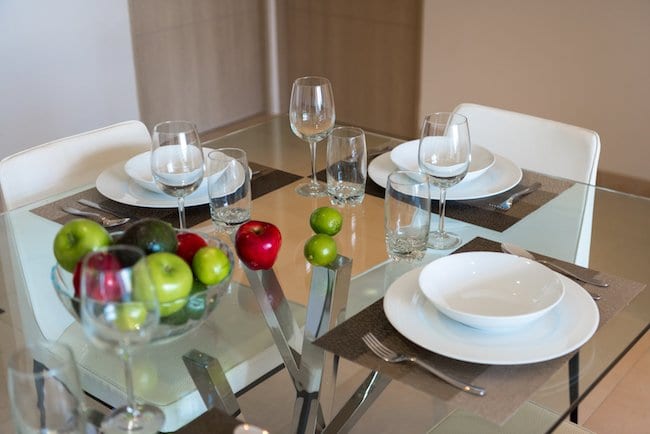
(489, 173)
(491, 308)
(132, 183)
(405, 157)
(139, 170)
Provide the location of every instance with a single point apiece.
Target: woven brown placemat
(480, 213)
(508, 386)
(266, 181)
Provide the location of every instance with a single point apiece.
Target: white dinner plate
(553, 335)
(115, 184)
(502, 176)
(405, 156)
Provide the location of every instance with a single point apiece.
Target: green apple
(76, 238)
(130, 316)
(210, 265)
(172, 279)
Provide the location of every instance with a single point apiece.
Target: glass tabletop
(580, 224)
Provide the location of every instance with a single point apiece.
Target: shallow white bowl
(405, 156)
(489, 290)
(139, 170)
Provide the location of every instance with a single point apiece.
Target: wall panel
(368, 49)
(200, 60)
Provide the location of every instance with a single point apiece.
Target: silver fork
(507, 204)
(390, 356)
(104, 221)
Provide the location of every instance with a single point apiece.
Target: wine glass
(44, 390)
(119, 309)
(311, 112)
(444, 154)
(177, 161)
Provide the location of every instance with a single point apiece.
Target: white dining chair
(544, 146)
(57, 166)
(534, 143)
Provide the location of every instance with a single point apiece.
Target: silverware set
(107, 222)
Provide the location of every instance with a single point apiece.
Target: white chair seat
(60, 165)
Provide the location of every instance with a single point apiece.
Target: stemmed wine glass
(44, 390)
(444, 154)
(312, 116)
(177, 161)
(119, 309)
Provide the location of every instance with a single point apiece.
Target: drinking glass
(347, 165)
(444, 155)
(229, 188)
(119, 309)
(407, 214)
(312, 116)
(177, 161)
(44, 390)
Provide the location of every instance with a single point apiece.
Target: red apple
(107, 288)
(188, 244)
(257, 244)
(76, 279)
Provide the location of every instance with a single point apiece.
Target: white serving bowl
(139, 170)
(405, 157)
(489, 290)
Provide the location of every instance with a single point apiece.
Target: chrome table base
(314, 371)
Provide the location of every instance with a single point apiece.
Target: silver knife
(516, 250)
(95, 205)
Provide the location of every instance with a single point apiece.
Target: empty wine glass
(312, 116)
(44, 390)
(177, 161)
(444, 155)
(119, 309)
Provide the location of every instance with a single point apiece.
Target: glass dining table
(282, 350)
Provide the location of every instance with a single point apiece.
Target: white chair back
(544, 146)
(534, 143)
(60, 165)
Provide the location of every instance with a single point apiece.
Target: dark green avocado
(151, 235)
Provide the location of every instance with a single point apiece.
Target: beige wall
(200, 60)
(368, 49)
(583, 62)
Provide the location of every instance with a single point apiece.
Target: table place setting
(149, 204)
(480, 198)
(508, 343)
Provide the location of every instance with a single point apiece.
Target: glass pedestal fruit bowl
(200, 303)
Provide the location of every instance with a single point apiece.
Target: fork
(104, 221)
(390, 356)
(507, 204)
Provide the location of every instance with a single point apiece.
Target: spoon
(104, 221)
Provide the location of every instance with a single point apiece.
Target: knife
(99, 207)
(516, 250)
